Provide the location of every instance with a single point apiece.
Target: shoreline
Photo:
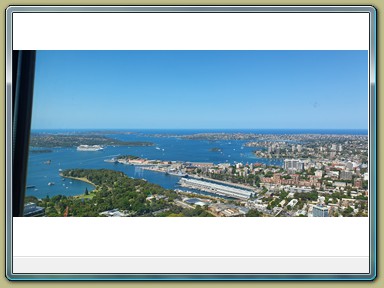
(82, 179)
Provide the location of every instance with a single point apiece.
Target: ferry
(89, 148)
(178, 173)
(112, 160)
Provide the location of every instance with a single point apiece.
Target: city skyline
(201, 90)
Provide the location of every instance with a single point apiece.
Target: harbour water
(170, 148)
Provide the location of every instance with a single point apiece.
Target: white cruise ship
(89, 148)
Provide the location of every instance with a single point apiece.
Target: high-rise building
(320, 211)
(293, 165)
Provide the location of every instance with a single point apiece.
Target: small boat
(51, 183)
(30, 186)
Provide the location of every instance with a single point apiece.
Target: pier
(228, 191)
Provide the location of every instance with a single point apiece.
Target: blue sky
(201, 89)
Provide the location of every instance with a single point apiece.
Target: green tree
(269, 174)
(347, 212)
(254, 213)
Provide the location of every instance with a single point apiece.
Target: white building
(299, 147)
(292, 203)
(293, 165)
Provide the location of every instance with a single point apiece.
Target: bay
(170, 148)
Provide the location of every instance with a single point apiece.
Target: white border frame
(12, 11)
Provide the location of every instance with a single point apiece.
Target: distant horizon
(202, 129)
